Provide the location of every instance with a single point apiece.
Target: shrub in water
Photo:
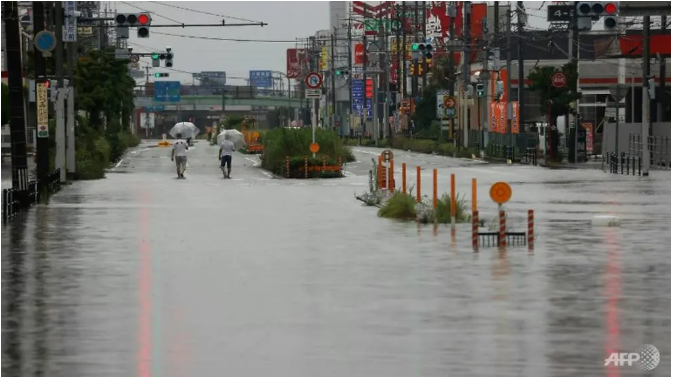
(443, 211)
(400, 206)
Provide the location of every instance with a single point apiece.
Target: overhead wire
(224, 39)
(202, 12)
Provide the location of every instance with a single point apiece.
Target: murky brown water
(142, 274)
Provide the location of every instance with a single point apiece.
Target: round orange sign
(500, 192)
(314, 147)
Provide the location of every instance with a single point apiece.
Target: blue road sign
(154, 109)
(261, 79)
(359, 100)
(167, 91)
(45, 41)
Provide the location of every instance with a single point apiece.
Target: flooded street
(144, 275)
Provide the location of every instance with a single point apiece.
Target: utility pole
(646, 126)
(467, 40)
(508, 27)
(425, 64)
(41, 143)
(365, 60)
(383, 62)
(662, 78)
(333, 89)
(414, 78)
(485, 78)
(10, 13)
(403, 61)
(60, 159)
(451, 12)
(350, 78)
(70, 126)
(522, 78)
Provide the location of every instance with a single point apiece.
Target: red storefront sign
(359, 53)
(295, 57)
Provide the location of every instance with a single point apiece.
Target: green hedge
(280, 143)
(94, 150)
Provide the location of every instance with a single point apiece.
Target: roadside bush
(282, 142)
(443, 212)
(400, 206)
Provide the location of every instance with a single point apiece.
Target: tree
(558, 98)
(105, 88)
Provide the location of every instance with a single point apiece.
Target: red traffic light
(610, 8)
(46, 84)
(143, 19)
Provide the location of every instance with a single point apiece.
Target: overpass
(215, 102)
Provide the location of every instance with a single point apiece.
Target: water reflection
(13, 297)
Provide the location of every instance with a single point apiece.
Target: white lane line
(268, 174)
(348, 174)
(119, 163)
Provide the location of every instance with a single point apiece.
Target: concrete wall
(658, 130)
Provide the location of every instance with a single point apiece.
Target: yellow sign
(395, 46)
(42, 110)
(500, 192)
(324, 58)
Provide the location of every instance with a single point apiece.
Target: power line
(200, 11)
(225, 39)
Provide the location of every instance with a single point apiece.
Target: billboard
(295, 57)
(212, 77)
(261, 79)
(359, 54)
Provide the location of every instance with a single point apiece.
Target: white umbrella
(187, 129)
(234, 136)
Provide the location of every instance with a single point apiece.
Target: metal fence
(660, 150)
(14, 201)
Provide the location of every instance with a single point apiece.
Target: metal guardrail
(660, 150)
(14, 201)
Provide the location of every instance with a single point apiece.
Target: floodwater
(143, 274)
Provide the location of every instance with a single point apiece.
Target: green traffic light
(414, 46)
(157, 75)
(155, 56)
(337, 72)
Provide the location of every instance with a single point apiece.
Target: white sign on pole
(313, 93)
(70, 22)
(42, 110)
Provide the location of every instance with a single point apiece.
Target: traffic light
(425, 49)
(419, 70)
(162, 74)
(480, 90)
(155, 60)
(412, 70)
(428, 63)
(610, 18)
(341, 72)
(169, 58)
(144, 21)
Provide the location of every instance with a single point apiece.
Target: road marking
(348, 174)
(119, 163)
(268, 174)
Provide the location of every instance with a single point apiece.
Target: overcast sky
(287, 21)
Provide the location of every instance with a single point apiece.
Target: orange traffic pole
(453, 202)
(434, 188)
(474, 194)
(391, 176)
(404, 177)
(380, 172)
(418, 184)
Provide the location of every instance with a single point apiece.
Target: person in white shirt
(179, 155)
(226, 151)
